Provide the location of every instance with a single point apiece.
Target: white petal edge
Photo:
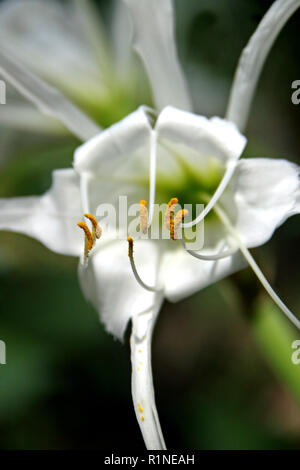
(252, 60)
(154, 41)
(114, 144)
(50, 218)
(47, 99)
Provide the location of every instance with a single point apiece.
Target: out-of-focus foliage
(222, 367)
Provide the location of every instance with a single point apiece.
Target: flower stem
(142, 381)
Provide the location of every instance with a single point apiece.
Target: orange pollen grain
(177, 221)
(96, 227)
(88, 234)
(143, 216)
(169, 214)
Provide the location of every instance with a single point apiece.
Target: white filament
(138, 279)
(84, 182)
(247, 255)
(213, 257)
(153, 153)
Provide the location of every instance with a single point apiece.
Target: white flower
(155, 156)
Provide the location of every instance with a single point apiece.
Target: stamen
(176, 222)
(133, 267)
(169, 214)
(143, 216)
(97, 230)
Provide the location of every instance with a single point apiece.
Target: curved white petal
(196, 138)
(142, 381)
(50, 218)
(154, 40)
(261, 195)
(47, 99)
(24, 117)
(109, 284)
(55, 40)
(253, 58)
(184, 275)
(114, 147)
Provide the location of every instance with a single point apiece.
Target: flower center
(193, 186)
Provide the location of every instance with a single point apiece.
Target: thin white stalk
(253, 58)
(142, 381)
(212, 257)
(268, 287)
(231, 166)
(84, 183)
(134, 270)
(152, 184)
(256, 269)
(47, 99)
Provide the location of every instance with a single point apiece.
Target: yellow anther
(143, 216)
(130, 247)
(176, 222)
(169, 214)
(142, 418)
(88, 235)
(97, 231)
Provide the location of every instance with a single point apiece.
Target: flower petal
(185, 275)
(47, 99)
(188, 133)
(253, 57)
(24, 117)
(109, 284)
(50, 218)
(112, 148)
(153, 39)
(55, 41)
(261, 195)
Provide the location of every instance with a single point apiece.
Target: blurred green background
(222, 358)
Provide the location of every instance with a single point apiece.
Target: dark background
(222, 368)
